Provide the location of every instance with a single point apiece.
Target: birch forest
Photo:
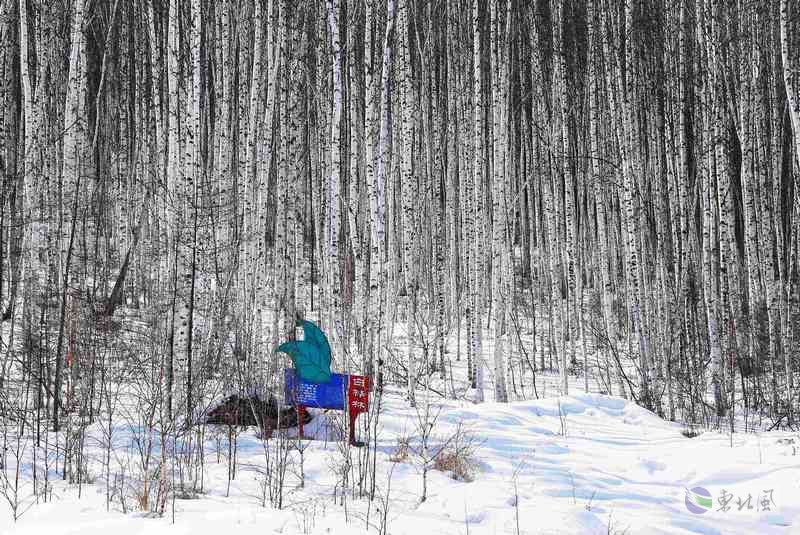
(555, 196)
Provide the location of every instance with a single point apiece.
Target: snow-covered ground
(597, 464)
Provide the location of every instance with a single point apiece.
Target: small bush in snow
(457, 457)
(400, 455)
(457, 466)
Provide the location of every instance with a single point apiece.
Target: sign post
(311, 384)
(342, 392)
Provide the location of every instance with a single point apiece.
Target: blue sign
(330, 395)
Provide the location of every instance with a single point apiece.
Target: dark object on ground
(236, 410)
(691, 433)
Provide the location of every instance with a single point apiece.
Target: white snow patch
(618, 469)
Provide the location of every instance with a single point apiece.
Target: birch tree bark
(706, 168)
(598, 187)
(408, 187)
(790, 80)
(335, 186)
(73, 155)
(499, 202)
(176, 262)
(377, 194)
(790, 76)
(472, 213)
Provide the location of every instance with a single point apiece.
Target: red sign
(357, 394)
(357, 402)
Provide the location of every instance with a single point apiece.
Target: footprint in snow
(554, 448)
(475, 518)
(652, 466)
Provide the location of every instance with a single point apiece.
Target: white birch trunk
(377, 194)
(335, 187)
(472, 212)
(499, 184)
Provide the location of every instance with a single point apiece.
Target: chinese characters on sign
(358, 394)
(330, 395)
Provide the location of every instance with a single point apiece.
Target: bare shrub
(457, 457)
(401, 454)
